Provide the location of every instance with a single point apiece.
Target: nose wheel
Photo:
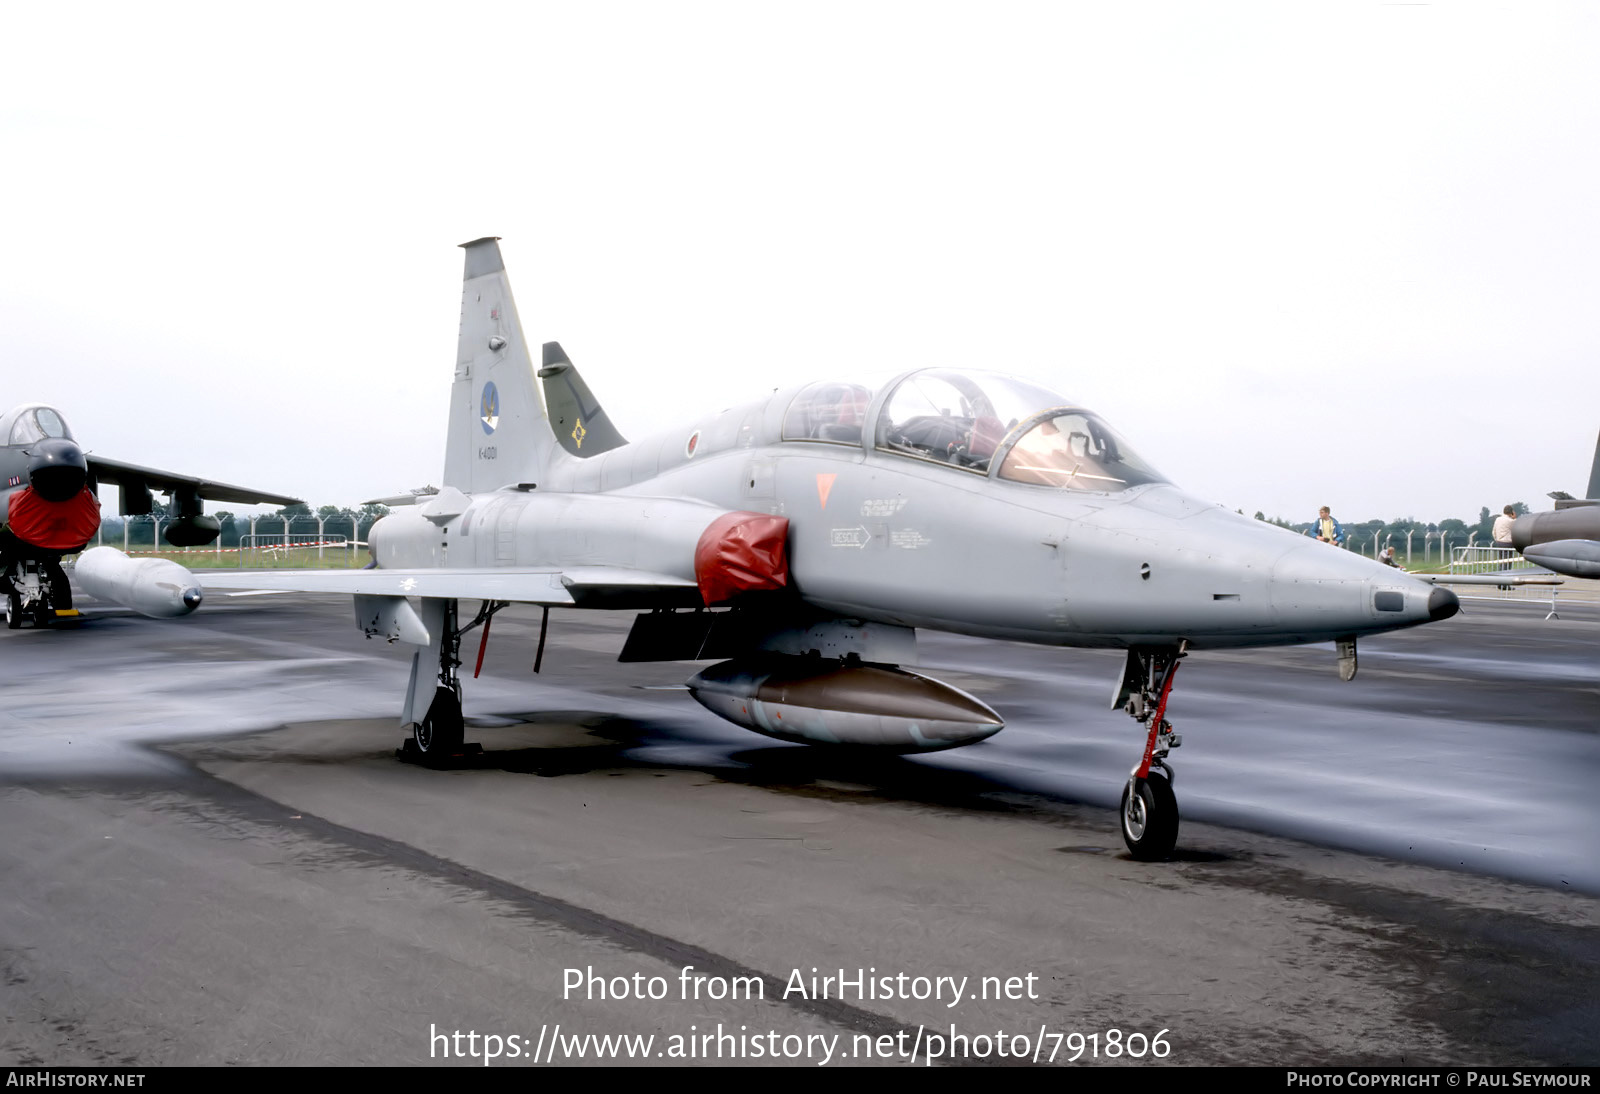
(1150, 816)
(1149, 808)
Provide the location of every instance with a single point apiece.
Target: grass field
(293, 558)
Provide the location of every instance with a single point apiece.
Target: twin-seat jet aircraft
(802, 540)
(48, 509)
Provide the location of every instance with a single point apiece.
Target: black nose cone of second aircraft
(57, 468)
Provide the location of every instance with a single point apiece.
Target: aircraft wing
(578, 587)
(1497, 580)
(130, 474)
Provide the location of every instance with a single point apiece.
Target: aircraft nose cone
(57, 468)
(192, 598)
(1442, 604)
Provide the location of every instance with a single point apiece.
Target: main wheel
(13, 611)
(59, 595)
(1150, 818)
(441, 731)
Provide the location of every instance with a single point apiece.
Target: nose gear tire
(1149, 817)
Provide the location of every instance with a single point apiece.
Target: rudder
(1594, 473)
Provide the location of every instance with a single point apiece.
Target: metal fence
(1509, 563)
(1493, 560)
(1416, 548)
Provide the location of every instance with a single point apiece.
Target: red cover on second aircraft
(739, 553)
(54, 525)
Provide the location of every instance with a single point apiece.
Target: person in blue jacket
(1328, 530)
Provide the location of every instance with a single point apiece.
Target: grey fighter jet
(48, 509)
(1567, 539)
(803, 538)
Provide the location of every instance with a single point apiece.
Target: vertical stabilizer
(1594, 473)
(581, 424)
(498, 432)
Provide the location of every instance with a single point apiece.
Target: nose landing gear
(35, 592)
(1149, 809)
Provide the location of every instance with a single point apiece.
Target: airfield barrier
(1495, 561)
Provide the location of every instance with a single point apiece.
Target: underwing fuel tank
(816, 701)
(156, 587)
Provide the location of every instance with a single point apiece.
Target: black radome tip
(1442, 604)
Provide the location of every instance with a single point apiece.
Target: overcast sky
(1298, 254)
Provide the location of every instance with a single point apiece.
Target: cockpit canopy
(980, 422)
(28, 424)
(831, 410)
(1075, 450)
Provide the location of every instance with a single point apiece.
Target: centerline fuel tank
(819, 701)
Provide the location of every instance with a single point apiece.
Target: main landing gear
(35, 592)
(1149, 808)
(437, 731)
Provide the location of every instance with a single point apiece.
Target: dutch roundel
(489, 408)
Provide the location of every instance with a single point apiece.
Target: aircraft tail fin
(499, 432)
(580, 422)
(1594, 473)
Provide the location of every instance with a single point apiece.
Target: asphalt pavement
(212, 856)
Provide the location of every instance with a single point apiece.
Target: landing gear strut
(1149, 809)
(437, 732)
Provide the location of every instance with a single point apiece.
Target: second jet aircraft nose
(1442, 604)
(57, 468)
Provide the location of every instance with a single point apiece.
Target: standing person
(1329, 530)
(1502, 526)
(1386, 556)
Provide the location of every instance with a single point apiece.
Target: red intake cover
(54, 525)
(740, 553)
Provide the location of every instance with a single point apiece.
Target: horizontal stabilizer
(410, 497)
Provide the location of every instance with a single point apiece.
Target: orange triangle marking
(824, 487)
